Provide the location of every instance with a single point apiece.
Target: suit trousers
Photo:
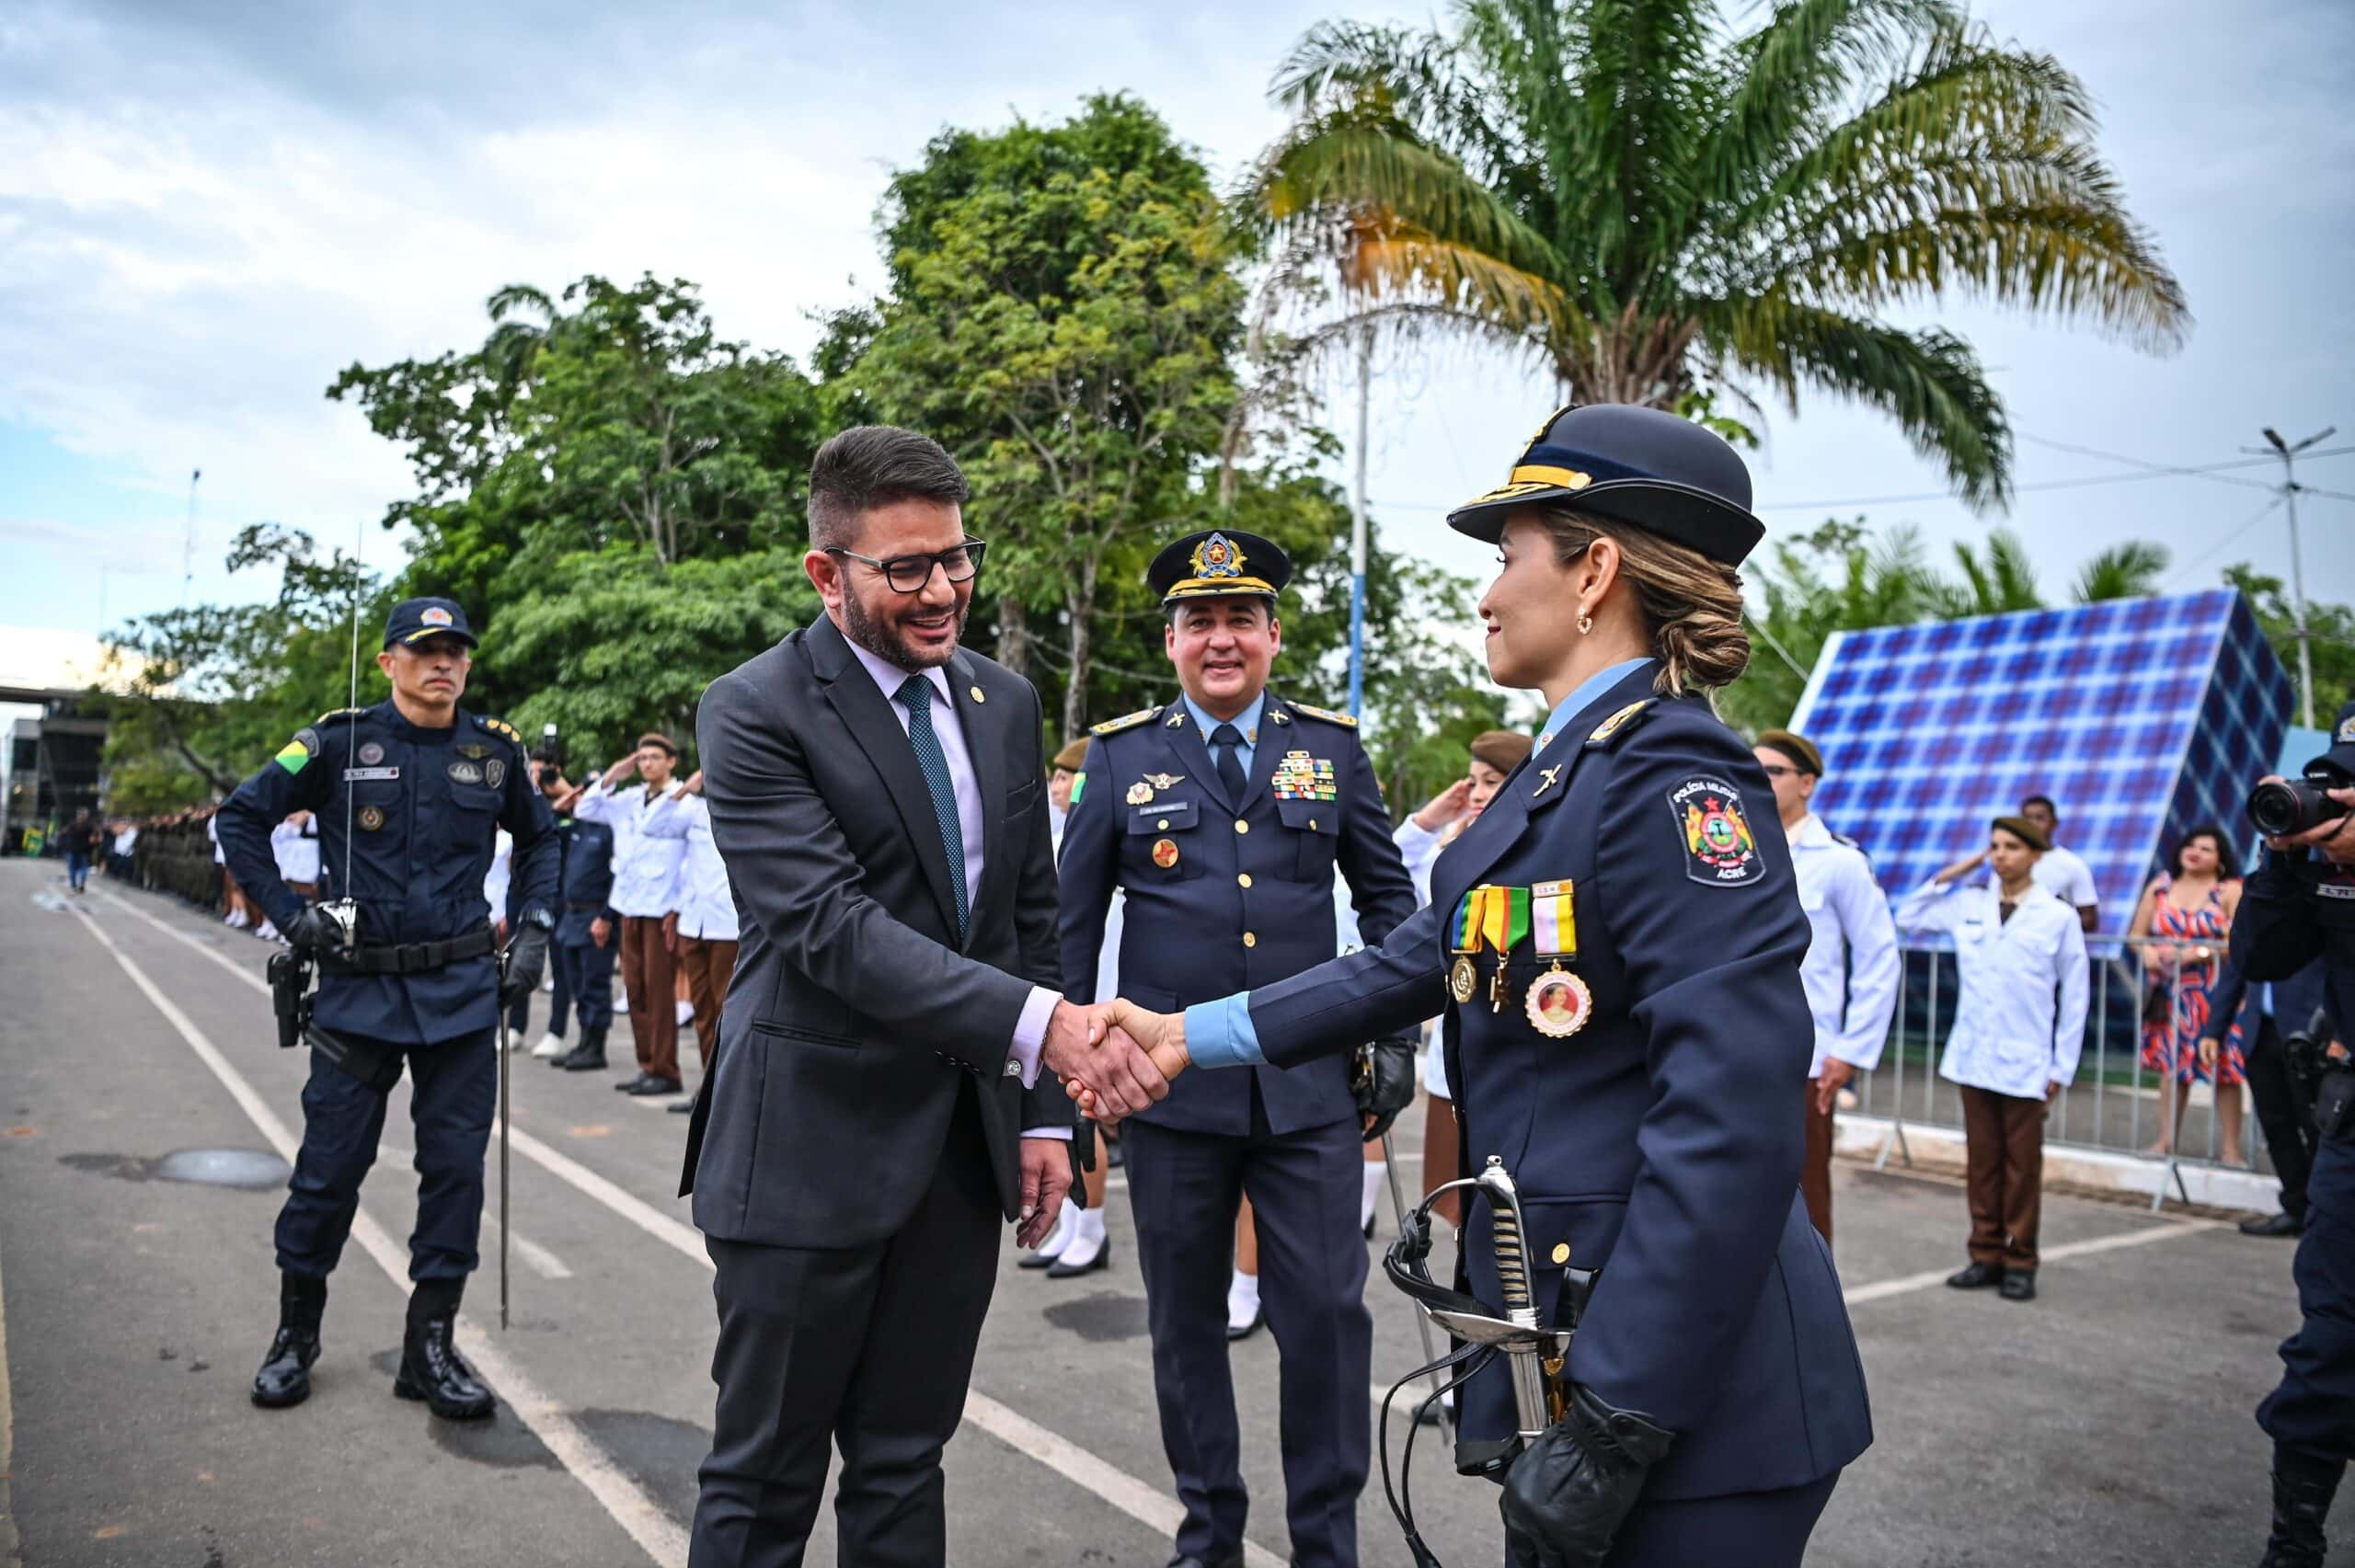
(2004, 1143)
(1184, 1188)
(865, 1348)
(1815, 1166)
(651, 976)
(453, 1087)
(709, 962)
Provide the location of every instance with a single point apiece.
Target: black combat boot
(431, 1368)
(286, 1375)
(2304, 1482)
(589, 1055)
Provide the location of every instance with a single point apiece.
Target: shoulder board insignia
(1346, 721)
(501, 727)
(1618, 722)
(338, 715)
(1126, 721)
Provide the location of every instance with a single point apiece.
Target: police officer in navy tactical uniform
(1224, 815)
(584, 964)
(2299, 906)
(1615, 947)
(410, 793)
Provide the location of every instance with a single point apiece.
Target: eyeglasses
(1776, 771)
(907, 574)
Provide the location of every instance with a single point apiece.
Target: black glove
(527, 960)
(312, 931)
(1567, 1491)
(1383, 1083)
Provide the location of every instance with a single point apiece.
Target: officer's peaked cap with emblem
(1218, 563)
(1645, 466)
(2340, 757)
(414, 620)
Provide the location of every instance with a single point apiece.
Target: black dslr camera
(2279, 808)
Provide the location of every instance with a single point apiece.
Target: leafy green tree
(1839, 578)
(2330, 630)
(1652, 200)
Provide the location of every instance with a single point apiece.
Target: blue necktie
(916, 694)
(1227, 741)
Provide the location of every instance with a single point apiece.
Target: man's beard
(880, 642)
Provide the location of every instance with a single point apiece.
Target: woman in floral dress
(2188, 913)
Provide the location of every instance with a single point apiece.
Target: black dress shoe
(683, 1106)
(1977, 1276)
(580, 1058)
(1062, 1270)
(2019, 1285)
(1234, 1562)
(2279, 1223)
(647, 1086)
(632, 1085)
(432, 1371)
(1259, 1316)
(285, 1375)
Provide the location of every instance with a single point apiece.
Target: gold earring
(1586, 622)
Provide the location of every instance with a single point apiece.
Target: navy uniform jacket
(588, 879)
(2293, 912)
(425, 808)
(1660, 1143)
(1247, 899)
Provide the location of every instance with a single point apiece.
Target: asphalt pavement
(2107, 1422)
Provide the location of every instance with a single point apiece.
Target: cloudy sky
(208, 207)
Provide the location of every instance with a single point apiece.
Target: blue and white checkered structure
(2141, 717)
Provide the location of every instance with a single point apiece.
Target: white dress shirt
(494, 881)
(2067, 877)
(1851, 967)
(645, 865)
(296, 851)
(707, 907)
(2020, 1018)
(1030, 1029)
(124, 841)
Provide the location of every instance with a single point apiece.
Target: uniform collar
(1246, 722)
(1813, 833)
(1592, 687)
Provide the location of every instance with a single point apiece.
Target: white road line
(629, 1506)
(1131, 1496)
(1883, 1289)
(11, 1543)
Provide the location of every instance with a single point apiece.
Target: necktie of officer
(916, 696)
(1227, 742)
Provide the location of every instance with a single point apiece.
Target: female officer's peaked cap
(1645, 466)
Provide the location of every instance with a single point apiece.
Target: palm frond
(1929, 382)
(2131, 570)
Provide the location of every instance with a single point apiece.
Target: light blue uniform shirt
(1247, 724)
(1219, 1033)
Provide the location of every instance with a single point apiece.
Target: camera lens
(2279, 809)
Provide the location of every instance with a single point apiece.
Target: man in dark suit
(880, 1103)
(1224, 815)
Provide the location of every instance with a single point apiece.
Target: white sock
(1375, 1174)
(1066, 1227)
(267, 931)
(1087, 1237)
(685, 1011)
(1242, 1299)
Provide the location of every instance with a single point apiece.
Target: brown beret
(2026, 832)
(656, 738)
(1504, 749)
(1798, 748)
(1071, 756)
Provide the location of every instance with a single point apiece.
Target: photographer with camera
(2300, 907)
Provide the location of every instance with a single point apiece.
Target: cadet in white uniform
(2019, 1024)
(1850, 968)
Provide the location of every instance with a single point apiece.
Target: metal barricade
(2159, 988)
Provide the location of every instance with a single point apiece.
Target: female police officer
(1618, 948)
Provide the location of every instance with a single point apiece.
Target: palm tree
(2131, 570)
(1651, 203)
(1997, 583)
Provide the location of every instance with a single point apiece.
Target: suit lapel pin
(976, 694)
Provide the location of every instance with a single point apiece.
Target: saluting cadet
(1617, 950)
(1852, 963)
(409, 795)
(702, 930)
(646, 891)
(2019, 1024)
(1224, 815)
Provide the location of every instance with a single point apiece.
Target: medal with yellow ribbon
(1491, 917)
(1558, 1004)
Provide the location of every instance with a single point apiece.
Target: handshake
(1114, 1058)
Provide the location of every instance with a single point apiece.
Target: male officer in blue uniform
(2300, 907)
(585, 927)
(1224, 815)
(409, 795)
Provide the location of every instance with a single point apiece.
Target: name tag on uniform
(351, 774)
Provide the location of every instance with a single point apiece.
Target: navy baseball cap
(2340, 759)
(414, 620)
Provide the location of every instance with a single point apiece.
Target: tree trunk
(1014, 635)
(1083, 611)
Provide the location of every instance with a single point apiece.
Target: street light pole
(2289, 455)
(1357, 528)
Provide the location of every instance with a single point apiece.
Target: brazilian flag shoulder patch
(299, 750)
